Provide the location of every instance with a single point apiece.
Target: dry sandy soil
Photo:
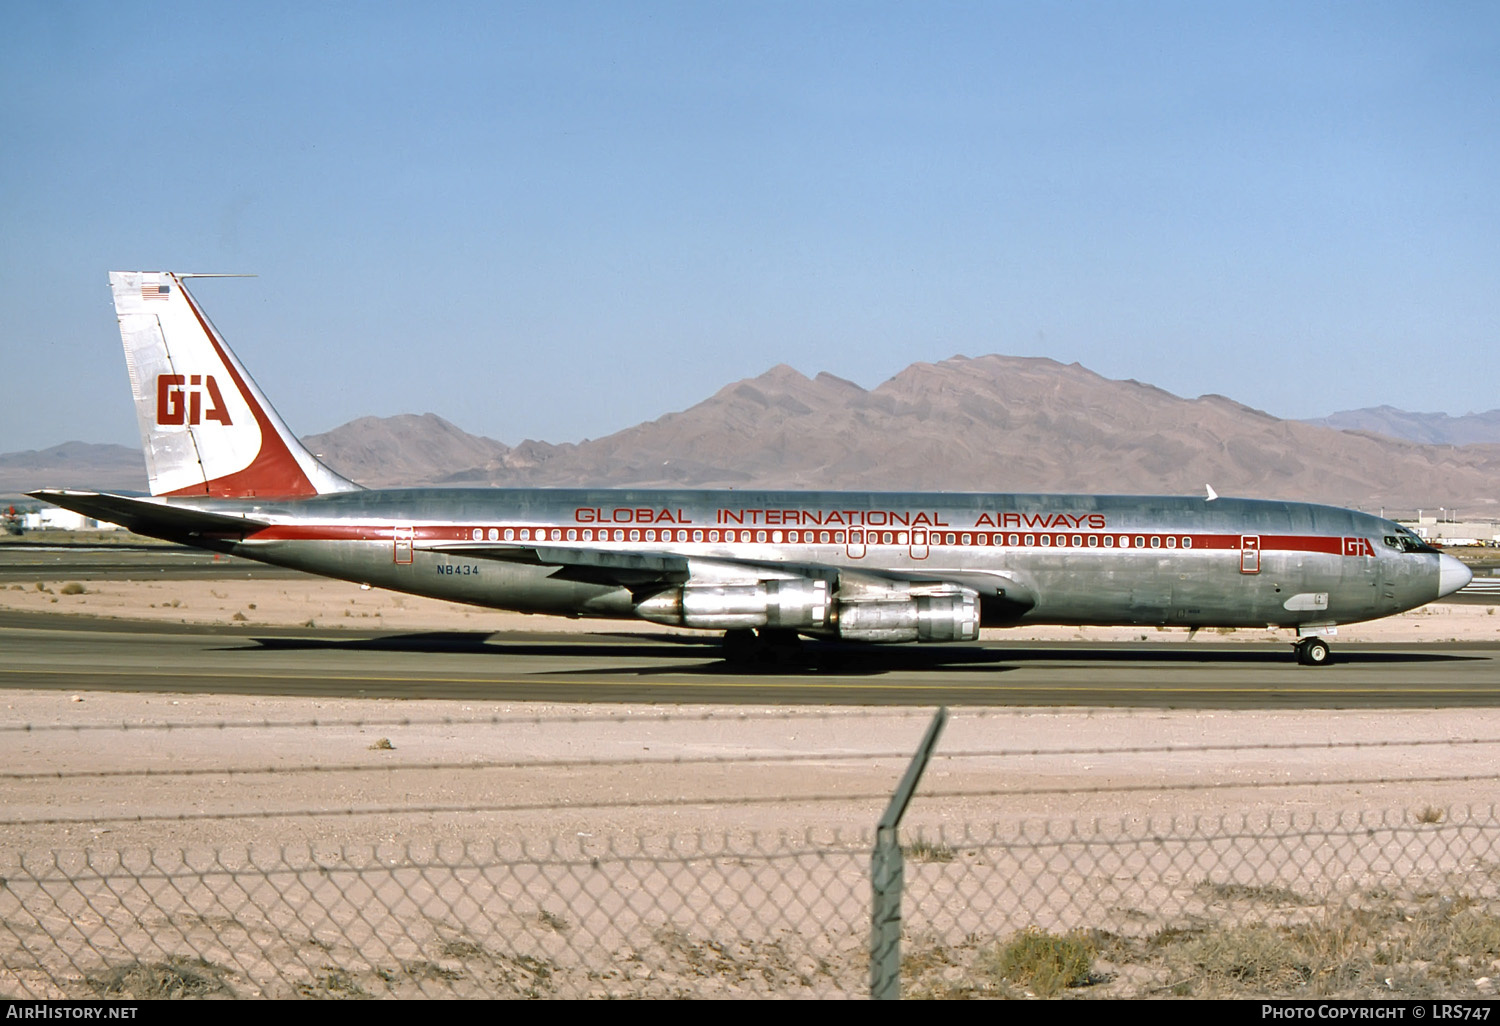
(731, 796)
(97, 775)
(333, 604)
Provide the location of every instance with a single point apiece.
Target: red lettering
(169, 408)
(176, 405)
(218, 411)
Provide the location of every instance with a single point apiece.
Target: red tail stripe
(274, 472)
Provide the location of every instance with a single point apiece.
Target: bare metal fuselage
(1053, 559)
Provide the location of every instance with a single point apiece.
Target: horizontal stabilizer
(150, 517)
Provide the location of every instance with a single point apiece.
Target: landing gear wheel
(767, 646)
(740, 645)
(1313, 652)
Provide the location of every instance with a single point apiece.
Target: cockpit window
(1407, 541)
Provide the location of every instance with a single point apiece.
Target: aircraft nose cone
(1452, 575)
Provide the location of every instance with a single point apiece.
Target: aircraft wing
(604, 566)
(636, 570)
(151, 517)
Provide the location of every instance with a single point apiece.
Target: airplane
(766, 567)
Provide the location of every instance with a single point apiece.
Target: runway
(24, 562)
(72, 653)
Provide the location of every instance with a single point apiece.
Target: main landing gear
(1313, 652)
(766, 646)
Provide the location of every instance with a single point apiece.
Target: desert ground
(249, 603)
(97, 776)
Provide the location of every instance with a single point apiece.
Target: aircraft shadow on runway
(702, 656)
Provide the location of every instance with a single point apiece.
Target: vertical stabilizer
(205, 426)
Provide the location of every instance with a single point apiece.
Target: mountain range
(991, 423)
(1428, 428)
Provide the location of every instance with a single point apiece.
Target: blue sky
(555, 220)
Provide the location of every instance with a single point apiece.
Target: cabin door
(403, 538)
(1250, 554)
(919, 545)
(856, 546)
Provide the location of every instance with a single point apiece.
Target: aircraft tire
(740, 645)
(1313, 652)
(763, 647)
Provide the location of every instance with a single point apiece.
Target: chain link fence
(1270, 902)
(1359, 906)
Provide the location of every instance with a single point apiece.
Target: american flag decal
(155, 290)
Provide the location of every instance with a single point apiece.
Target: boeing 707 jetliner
(763, 566)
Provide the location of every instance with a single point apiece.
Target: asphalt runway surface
(71, 653)
(79, 653)
(24, 561)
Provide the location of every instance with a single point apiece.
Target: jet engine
(862, 608)
(953, 617)
(798, 604)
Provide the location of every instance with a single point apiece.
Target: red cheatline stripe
(1334, 545)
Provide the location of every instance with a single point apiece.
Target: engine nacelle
(799, 604)
(953, 617)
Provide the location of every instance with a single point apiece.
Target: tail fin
(205, 426)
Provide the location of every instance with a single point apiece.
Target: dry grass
(923, 850)
(1376, 945)
(175, 977)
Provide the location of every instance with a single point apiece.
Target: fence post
(887, 872)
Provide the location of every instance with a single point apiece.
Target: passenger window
(1093, 541)
(1109, 541)
(1187, 543)
(1140, 542)
(510, 534)
(1015, 540)
(1078, 541)
(1031, 539)
(1155, 542)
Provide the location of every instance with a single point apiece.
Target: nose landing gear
(1313, 652)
